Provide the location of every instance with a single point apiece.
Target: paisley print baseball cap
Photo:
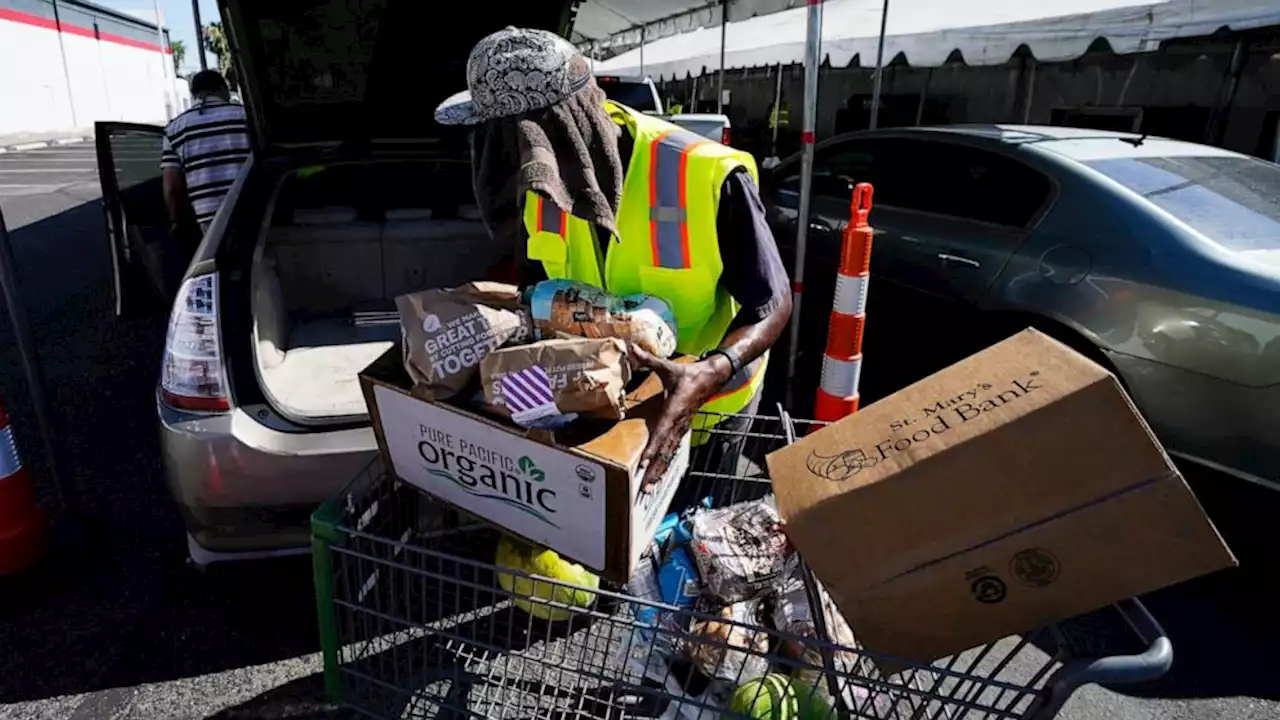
(514, 71)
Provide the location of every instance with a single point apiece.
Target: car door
(952, 215)
(147, 262)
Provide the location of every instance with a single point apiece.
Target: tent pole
(875, 86)
(812, 60)
(195, 15)
(724, 27)
(1029, 98)
(777, 108)
(924, 96)
(1217, 126)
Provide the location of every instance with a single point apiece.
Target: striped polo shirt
(209, 142)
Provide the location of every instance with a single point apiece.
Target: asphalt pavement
(116, 625)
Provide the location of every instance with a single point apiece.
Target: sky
(177, 17)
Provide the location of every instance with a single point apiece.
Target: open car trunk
(342, 242)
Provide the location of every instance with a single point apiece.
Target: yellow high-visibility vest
(666, 244)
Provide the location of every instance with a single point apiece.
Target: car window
(835, 171)
(962, 182)
(838, 168)
(635, 95)
(1230, 200)
(839, 187)
(136, 154)
(935, 177)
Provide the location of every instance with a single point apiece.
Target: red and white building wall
(66, 64)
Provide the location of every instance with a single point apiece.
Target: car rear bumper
(244, 487)
(1230, 427)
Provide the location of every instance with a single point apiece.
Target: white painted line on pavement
(22, 190)
(47, 171)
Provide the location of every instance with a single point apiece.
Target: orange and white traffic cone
(24, 530)
(842, 362)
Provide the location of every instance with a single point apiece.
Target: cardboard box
(574, 491)
(1016, 488)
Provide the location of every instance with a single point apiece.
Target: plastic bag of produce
(708, 638)
(740, 550)
(568, 307)
(448, 332)
(549, 383)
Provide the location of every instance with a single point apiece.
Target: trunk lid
(314, 72)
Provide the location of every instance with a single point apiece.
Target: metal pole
(924, 96)
(66, 72)
(30, 358)
(720, 80)
(1030, 95)
(724, 27)
(875, 86)
(1226, 96)
(812, 59)
(164, 62)
(777, 108)
(641, 51)
(195, 13)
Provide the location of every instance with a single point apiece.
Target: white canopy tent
(613, 26)
(620, 23)
(927, 32)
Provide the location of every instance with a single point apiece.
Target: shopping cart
(414, 624)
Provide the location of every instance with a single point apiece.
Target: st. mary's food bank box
(1013, 489)
(575, 491)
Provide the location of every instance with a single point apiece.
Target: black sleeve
(753, 271)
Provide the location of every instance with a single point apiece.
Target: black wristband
(735, 362)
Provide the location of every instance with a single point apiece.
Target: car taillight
(724, 136)
(193, 377)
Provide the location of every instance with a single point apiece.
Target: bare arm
(175, 194)
(753, 275)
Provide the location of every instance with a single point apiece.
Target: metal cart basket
(415, 624)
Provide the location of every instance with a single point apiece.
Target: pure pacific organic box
(575, 491)
(1013, 489)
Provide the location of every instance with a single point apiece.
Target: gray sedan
(1159, 259)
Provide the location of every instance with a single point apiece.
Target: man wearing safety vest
(593, 191)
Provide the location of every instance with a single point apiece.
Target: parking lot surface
(116, 625)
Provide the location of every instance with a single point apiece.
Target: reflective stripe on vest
(668, 211)
(551, 218)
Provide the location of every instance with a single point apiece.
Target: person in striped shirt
(203, 150)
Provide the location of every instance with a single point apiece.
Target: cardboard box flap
(1039, 408)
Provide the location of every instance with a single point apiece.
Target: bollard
(842, 362)
(24, 531)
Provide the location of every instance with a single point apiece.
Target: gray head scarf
(567, 152)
